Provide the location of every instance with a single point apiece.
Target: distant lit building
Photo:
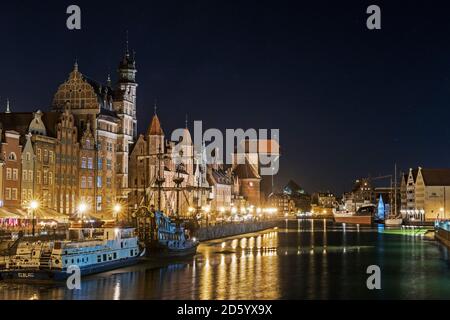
(301, 199)
(283, 203)
(254, 186)
(362, 193)
(425, 194)
(324, 199)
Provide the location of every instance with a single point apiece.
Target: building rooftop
(155, 128)
(436, 177)
(246, 171)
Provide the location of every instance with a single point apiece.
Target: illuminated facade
(425, 194)
(180, 169)
(77, 152)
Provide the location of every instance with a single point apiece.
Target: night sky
(348, 101)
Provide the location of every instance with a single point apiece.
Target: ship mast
(159, 180)
(395, 190)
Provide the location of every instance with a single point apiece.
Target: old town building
(170, 175)
(221, 182)
(78, 151)
(425, 194)
(11, 152)
(284, 204)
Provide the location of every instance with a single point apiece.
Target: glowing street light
(82, 208)
(34, 204)
(117, 208)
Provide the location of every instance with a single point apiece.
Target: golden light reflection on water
(117, 291)
(241, 268)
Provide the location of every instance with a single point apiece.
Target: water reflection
(305, 260)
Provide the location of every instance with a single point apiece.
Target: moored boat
(352, 218)
(363, 215)
(393, 222)
(91, 251)
(162, 236)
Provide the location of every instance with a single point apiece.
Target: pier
(442, 233)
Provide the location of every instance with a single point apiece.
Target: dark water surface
(300, 260)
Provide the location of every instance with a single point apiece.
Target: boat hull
(353, 219)
(165, 252)
(58, 275)
(393, 222)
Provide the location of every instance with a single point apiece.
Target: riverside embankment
(232, 229)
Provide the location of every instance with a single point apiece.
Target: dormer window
(12, 157)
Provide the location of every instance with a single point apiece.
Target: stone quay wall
(232, 229)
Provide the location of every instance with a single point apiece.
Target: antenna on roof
(186, 121)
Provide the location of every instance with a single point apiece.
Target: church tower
(126, 91)
(125, 107)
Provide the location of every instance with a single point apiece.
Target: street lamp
(222, 213)
(117, 208)
(34, 205)
(207, 210)
(82, 208)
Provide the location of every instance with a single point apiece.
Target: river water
(301, 259)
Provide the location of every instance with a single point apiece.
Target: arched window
(12, 156)
(28, 156)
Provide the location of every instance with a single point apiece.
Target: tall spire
(155, 106)
(75, 66)
(127, 48)
(108, 81)
(8, 110)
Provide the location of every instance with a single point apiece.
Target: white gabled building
(425, 194)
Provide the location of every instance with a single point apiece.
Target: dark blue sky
(349, 102)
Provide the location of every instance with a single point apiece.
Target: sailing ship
(394, 220)
(87, 249)
(160, 234)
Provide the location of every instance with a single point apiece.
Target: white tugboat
(113, 248)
